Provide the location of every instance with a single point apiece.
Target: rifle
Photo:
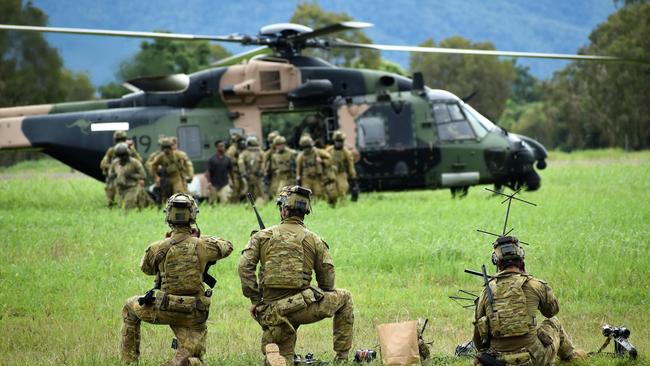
(621, 343)
(165, 187)
(307, 360)
(488, 290)
(251, 199)
(149, 297)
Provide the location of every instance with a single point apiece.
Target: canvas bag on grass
(398, 343)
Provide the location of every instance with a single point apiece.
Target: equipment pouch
(482, 325)
(521, 358)
(290, 304)
(181, 304)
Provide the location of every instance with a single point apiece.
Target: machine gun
(622, 345)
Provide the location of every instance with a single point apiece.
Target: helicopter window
(451, 122)
(189, 140)
(371, 133)
(270, 80)
(480, 130)
(486, 123)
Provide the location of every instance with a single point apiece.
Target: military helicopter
(405, 135)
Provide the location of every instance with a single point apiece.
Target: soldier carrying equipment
(288, 254)
(179, 298)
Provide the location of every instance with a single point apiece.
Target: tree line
(584, 105)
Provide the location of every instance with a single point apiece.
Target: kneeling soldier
(284, 298)
(180, 263)
(506, 328)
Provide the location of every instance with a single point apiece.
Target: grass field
(69, 263)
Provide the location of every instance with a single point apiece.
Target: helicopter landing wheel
(532, 180)
(459, 192)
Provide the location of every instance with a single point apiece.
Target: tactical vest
(182, 274)
(510, 317)
(253, 161)
(281, 162)
(310, 166)
(125, 174)
(284, 262)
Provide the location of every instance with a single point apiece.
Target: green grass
(69, 263)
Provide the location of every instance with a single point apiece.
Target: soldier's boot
(343, 327)
(181, 358)
(273, 357)
(130, 342)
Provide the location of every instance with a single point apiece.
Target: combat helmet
(295, 198)
(166, 143)
(338, 135)
(272, 135)
(181, 209)
(279, 140)
(306, 141)
(119, 136)
(251, 141)
(122, 149)
(506, 248)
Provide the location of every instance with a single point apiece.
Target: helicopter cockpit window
(371, 133)
(478, 127)
(451, 122)
(189, 140)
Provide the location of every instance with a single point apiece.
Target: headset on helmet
(295, 198)
(181, 209)
(507, 248)
(121, 149)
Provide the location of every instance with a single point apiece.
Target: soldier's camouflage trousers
(551, 341)
(110, 190)
(189, 328)
(282, 329)
(342, 185)
(131, 197)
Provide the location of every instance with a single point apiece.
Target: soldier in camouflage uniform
(250, 168)
(105, 163)
(342, 163)
(266, 160)
(180, 300)
(188, 172)
(237, 145)
(506, 329)
(281, 166)
(127, 175)
(314, 170)
(173, 167)
(284, 298)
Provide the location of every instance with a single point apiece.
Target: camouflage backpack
(283, 265)
(511, 317)
(182, 275)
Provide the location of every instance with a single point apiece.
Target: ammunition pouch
(544, 338)
(519, 358)
(184, 304)
(299, 301)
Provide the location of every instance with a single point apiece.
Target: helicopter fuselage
(403, 138)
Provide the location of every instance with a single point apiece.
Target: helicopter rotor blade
(131, 34)
(235, 59)
(332, 28)
(463, 51)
